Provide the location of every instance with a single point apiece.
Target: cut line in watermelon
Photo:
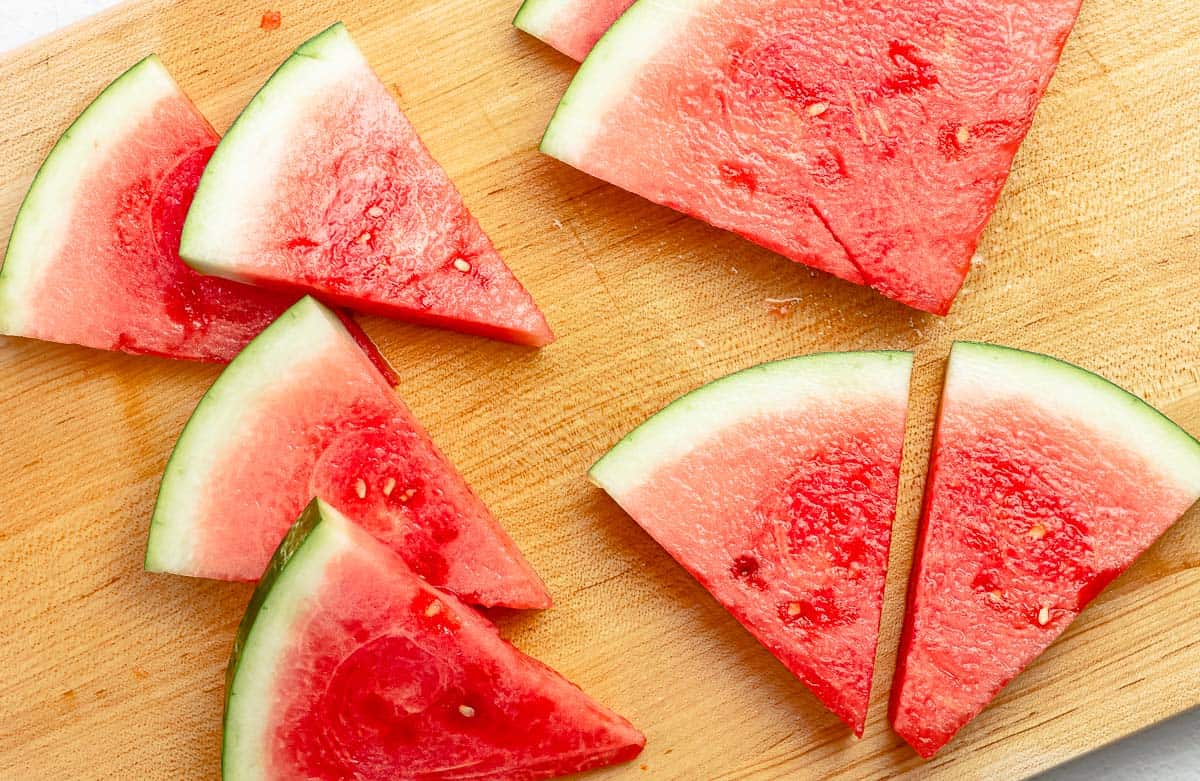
(322, 186)
(570, 26)
(347, 665)
(304, 411)
(869, 140)
(1046, 482)
(776, 488)
(93, 256)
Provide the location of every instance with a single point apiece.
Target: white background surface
(1166, 752)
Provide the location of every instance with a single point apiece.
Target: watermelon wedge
(93, 257)
(1046, 483)
(571, 26)
(322, 186)
(776, 487)
(349, 666)
(869, 140)
(304, 411)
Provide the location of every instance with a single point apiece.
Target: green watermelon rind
(122, 104)
(782, 386)
(293, 574)
(537, 16)
(247, 153)
(1081, 395)
(608, 70)
(259, 367)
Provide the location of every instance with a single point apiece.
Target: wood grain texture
(1094, 256)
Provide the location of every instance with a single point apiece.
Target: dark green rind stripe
(295, 539)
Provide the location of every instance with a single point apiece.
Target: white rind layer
(539, 17)
(612, 66)
(238, 185)
(772, 388)
(980, 372)
(252, 689)
(301, 335)
(40, 228)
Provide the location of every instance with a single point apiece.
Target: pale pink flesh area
(1028, 516)
(870, 140)
(335, 429)
(370, 221)
(118, 282)
(786, 520)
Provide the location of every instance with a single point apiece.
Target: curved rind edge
(304, 541)
(536, 17)
(1087, 397)
(644, 28)
(64, 154)
(205, 234)
(656, 441)
(167, 547)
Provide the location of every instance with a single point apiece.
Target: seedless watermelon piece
(776, 487)
(347, 665)
(870, 140)
(93, 257)
(571, 26)
(1046, 483)
(323, 186)
(302, 412)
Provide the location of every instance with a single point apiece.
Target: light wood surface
(1094, 256)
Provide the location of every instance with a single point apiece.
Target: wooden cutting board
(1094, 256)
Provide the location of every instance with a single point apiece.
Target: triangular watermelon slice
(93, 257)
(776, 487)
(304, 411)
(349, 666)
(323, 186)
(571, 26)
(1046, 483)
(870, 140)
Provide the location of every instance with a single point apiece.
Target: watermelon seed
(360, 488)
(1037, 531)
(962, 135)
(794, 609)
(462, 265)
(364, 238)
(410, 493)
(995, 596)
(817, 109)
(466, 710)
(375, 211)
(389, 486)
(434, 608)
(1044, 615)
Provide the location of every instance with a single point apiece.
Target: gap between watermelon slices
(571, 26)
(93, 258)
(869, 140)
(1046, 482)
(322, 185)
(348, 665)
(303, 411)
(776, 487)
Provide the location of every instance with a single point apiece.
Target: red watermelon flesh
(93, 259)
(348, 665)
(304, 412)
(322, 186)
(870, 140)
(1046, 483)
(776, 488)
(571, 26)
